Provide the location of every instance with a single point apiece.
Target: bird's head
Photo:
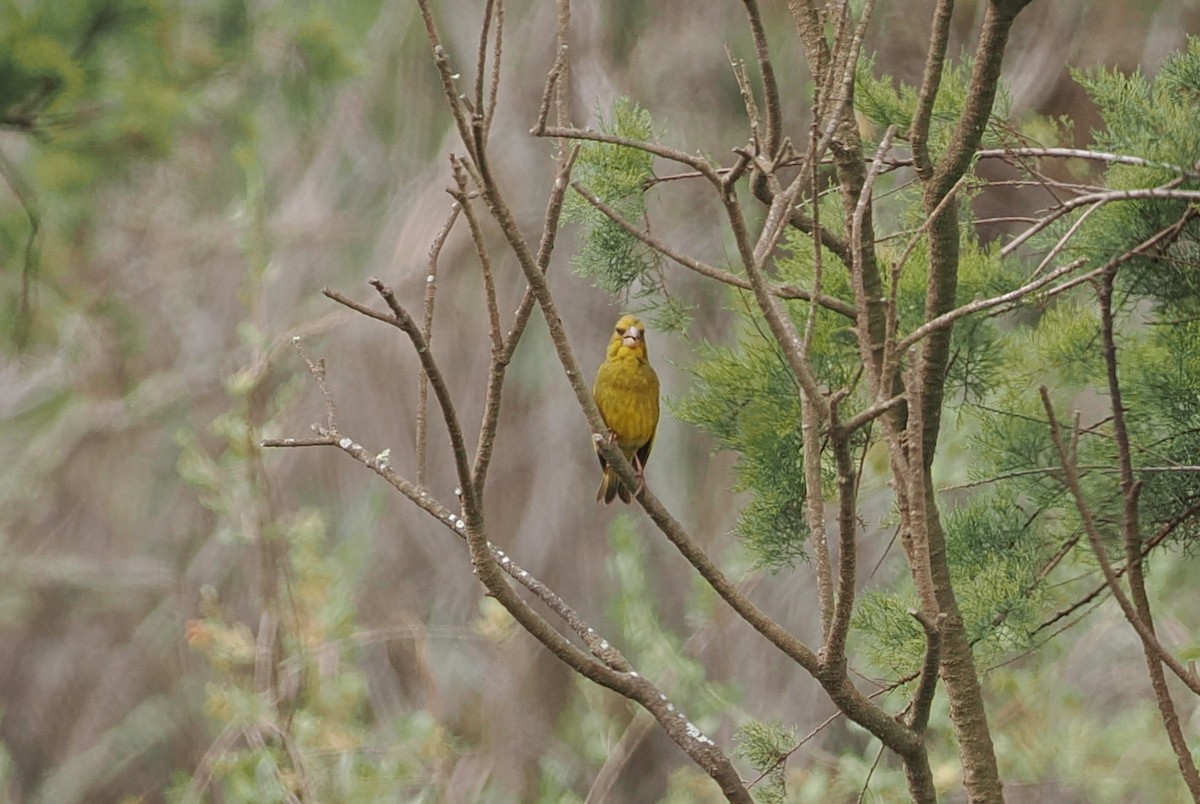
(628, 338)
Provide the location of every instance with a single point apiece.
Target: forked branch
(606, 666)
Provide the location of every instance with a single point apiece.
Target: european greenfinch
(626, 392)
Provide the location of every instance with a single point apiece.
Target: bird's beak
(632, 336)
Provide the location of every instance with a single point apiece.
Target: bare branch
(810, 325)
(500, 361)
(380, 464)
(918, 716)
(489, 9)
(812, 34)
(810, 428)
(481, 250)
(1106, 197)
(811, 433)
(317, 370)
(554, 93)
(931, 81)
(1079, 153)
(845, 695)
(877, 373)
(435, 251)
(767, 71)
(985, 83)
(703, 268)
(835, 642)
(1130, 488)
(489, 563)
(743, 82)
(697, 163)
(454, 98)
(865, 417)
(980, 305)
(1071, 477)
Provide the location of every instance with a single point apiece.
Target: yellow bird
(626, 391)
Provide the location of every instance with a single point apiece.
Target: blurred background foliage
(179, 180)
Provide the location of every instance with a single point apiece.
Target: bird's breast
(627, 394)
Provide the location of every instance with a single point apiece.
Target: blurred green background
(179, 180)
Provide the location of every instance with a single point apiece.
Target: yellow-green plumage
(626, 391)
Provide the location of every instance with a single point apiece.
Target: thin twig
(783, 758)
(481, 250)
(1079, 153)
(497, 52)
(553, 81)
(1106, 197)
(1102, 468)
(696, 162)
(500, 362)
(489, 8)
(448, 77)
(980, 305)
(435, 251)
(748, 102)
(770, 87)
(862, 795)
(1066, 238)
(1151, 543)
(317, 370)
(928, 222)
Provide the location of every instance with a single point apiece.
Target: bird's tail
(611, 487)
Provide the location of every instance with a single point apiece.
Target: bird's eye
(620, 330)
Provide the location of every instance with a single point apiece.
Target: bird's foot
(641, 476)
